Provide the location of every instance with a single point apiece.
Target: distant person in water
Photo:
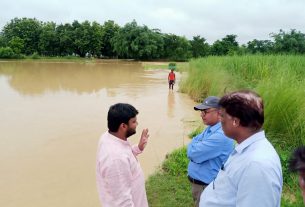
(171, 79)
(120, 179)
(297, 164)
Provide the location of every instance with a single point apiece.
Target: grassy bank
(169, 186)
(278, 79)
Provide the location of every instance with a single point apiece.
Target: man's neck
(245, 134)
(214, 124)
(118, 135)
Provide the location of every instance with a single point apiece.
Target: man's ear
(236, 122)
(123, 126)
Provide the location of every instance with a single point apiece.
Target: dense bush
(6, 52)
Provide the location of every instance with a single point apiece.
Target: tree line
(27, 36)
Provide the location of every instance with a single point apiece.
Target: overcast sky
(211, 19)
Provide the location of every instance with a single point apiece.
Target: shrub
(6, 52)
(172, 66)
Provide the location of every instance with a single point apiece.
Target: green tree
(242, 50)
(136, 42)
(6, 52)
(65, 36)
(260, 46)
(291, 42)
(227, 46)
(81, 38)
(16, 44)
(199, 47)
(2, 40)
(176, 47)
(158, 39)
(95, 39)
(87, 39)
(110, 29)
(49, 41)
(27, 29)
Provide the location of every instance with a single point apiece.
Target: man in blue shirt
(252, 176)
(209, 150)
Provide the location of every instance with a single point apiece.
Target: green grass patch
(170, 186)
(196, 131)
(180, 66)
(154, 66)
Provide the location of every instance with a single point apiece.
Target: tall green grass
(284, 99)
(278, 79)
(204, 79)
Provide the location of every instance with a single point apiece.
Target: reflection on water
(30, 78)
(170, 103)
(52, 115)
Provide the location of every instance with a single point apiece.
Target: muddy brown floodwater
(52, 115)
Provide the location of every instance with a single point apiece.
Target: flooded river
(52, 115)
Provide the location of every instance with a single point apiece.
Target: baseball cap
(209, 102)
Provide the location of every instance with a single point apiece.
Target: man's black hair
(246, 105)
(120, 113)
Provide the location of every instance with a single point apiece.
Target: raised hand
(143, 140)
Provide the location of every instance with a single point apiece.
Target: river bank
(280, 80)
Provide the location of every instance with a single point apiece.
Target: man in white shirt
(252, 176)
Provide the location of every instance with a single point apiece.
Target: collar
(117, 140)
(215, 127)
(250, 140)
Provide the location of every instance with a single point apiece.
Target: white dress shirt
(251, 177)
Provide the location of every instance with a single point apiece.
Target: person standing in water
(171, 79)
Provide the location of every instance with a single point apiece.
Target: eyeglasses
(205, 111)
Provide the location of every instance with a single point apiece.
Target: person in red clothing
(171, 79)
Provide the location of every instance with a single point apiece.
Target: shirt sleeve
(200, 150)
(258, 187)
(117, 178)
(136, 150)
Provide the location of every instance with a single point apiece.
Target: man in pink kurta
(120, 179)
